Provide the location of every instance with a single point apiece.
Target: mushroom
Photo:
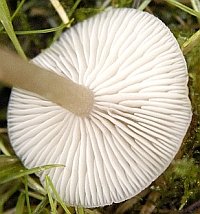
(132, 64)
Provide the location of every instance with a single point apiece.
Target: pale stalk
(15, 72)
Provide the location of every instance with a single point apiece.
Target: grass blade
(50, 30)
(20, 204)
(50, 184)
(41, 206)
(196, 4)
(6, 195)
(3, 148)
(184, 8)
(80, 210)
(36, 186)
(5, 18)
(53, 208)
(11, 168)
(27, 195)
(70, 13)
(191, 42)
(144, 4)
(60, 10)
(18, 9)
(34, 194)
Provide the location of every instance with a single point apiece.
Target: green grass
(30, 26)
(6, 21)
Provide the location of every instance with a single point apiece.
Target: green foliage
(122, 3)
(84, 13)
(50, 187)
(6, 21)
(193, 59)
(184, 8)
(183, 184)
(189, 172)
(20, 203)
(11, 168)
(37, 25)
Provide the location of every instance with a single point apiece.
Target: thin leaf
(53, 208)
(20, 204)
(196, 4)
(144, 4)
(74, 8)
(33, 184)
(41, 206)
(60, 10)
(18, 9)
(5, 196)
(50, 30)
(11, 168)
(27, 195)
(6, 21)
(184, 8)
(34, 195)
(80, 210)
(50, 184)
(136, 4)
(3, 148)
(7, 160)
(191, 42)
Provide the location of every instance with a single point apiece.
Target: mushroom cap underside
(132, 63)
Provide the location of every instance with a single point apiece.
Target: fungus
(134, 67)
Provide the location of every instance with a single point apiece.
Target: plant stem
(17, 73)
(60, 10)
(191, 42)
(144, 4)
(184, 8)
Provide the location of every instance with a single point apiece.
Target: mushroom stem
(15, 72)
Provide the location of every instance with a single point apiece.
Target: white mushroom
(133, 65)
